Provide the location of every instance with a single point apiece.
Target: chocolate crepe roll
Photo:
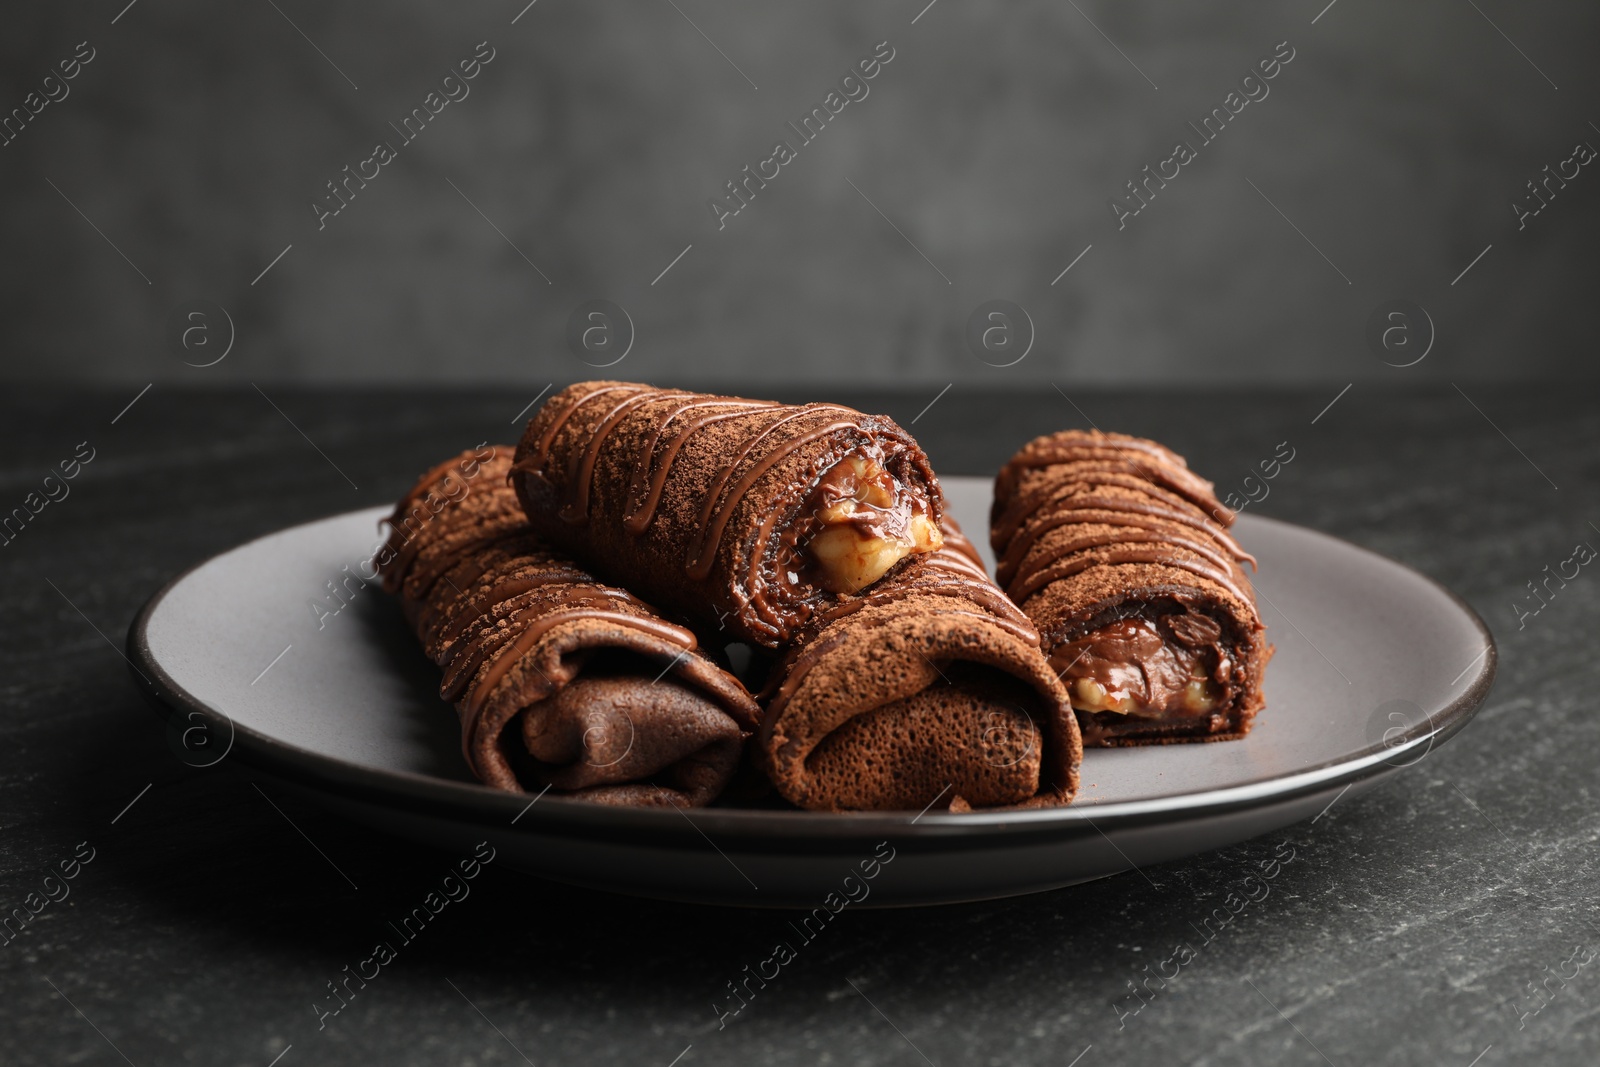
(560, 681)
(929, 687)
(1121, 557)
(746, 516)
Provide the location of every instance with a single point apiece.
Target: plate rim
(764, 830)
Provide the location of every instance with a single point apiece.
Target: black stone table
(1445, 918)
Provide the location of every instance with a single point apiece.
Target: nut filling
(868, 523)
(1170, 667)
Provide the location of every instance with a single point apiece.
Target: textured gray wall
(198, 137)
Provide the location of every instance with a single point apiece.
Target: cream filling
(862, 536)
(1200, 695)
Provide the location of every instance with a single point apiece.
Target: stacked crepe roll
(930, 685)
(1121, 557)
(904, 678)
(560, 680)
(746, 516)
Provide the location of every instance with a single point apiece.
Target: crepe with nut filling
(746, 516)
(1121, 557)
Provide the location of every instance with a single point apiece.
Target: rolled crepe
(928, 689)
(745, 516)
(560, 681)
(1121, 557)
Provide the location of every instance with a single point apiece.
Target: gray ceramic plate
(1375, 665)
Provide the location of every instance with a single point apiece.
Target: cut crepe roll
(1121, 557)
(929, 689)
(745, 516)
(560, 681)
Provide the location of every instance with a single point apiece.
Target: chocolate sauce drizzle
(654, 462)
(1163, 514)
(721, 501)
(644, 491)
(1116, 452)
(624, 440)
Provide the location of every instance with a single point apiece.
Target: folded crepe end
(629, 733)
(561, 681)
(973, 738)
(916, 702)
